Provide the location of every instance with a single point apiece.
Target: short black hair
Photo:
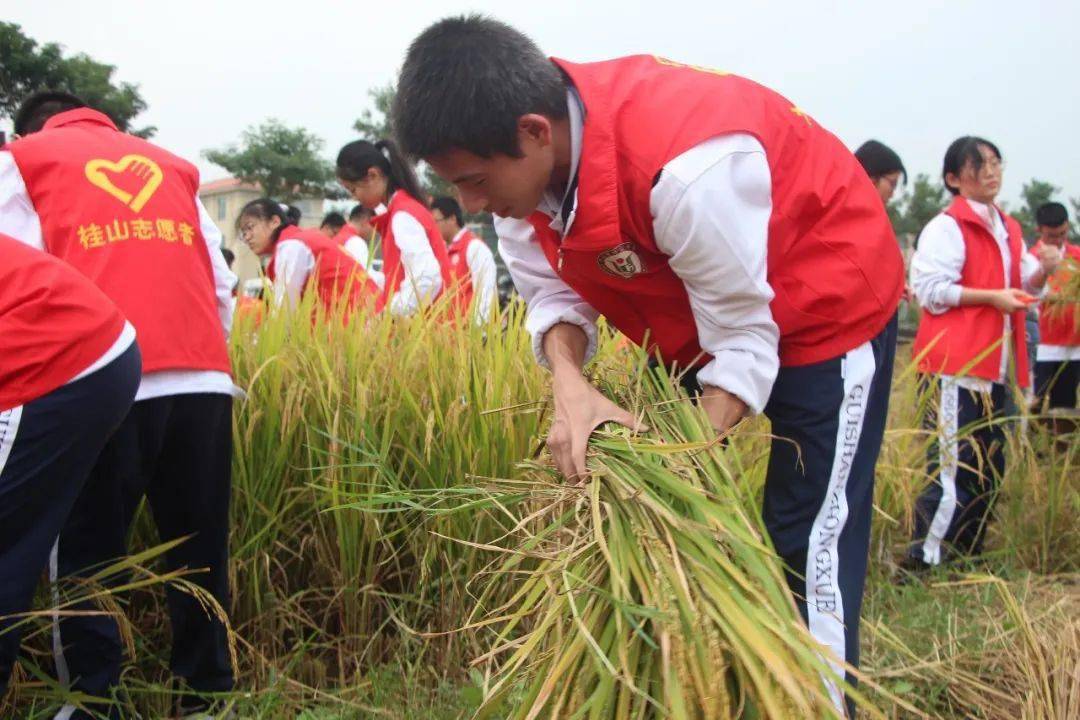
(963, 150)
(466, 81)
(229, 256)
(1051, 214)
(294, 213)
(36, 109)
(361, 212)
(878, 160)
(333, 220)
(449, 207)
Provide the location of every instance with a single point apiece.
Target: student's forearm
(976, 296)
(565, 345)
(1036, 281)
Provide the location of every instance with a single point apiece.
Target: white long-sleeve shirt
(422, 279)
(937, 265)
(293, 265)
(710, 209)
(19, 219)
(357, 247)
(482, 274)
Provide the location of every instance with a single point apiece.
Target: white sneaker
(65, 712)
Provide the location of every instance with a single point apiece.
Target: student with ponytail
(974, 281)
(302, 259)
(415, 261)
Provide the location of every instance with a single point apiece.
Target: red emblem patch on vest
(621, 261)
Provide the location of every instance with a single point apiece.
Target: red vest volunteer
(353, 244)
(972, 278)
(69, 368)
(968, 339)
(55, 324)
(415, 262)
(306, 259)
(472, 272)
(717, 224)
(108, 211)
(1059, 325)
(833, 270)
(125, 214)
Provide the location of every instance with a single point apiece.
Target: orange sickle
(141, 167)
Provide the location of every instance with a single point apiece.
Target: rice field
(402, 548)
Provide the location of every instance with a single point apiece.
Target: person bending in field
(472, 264)
(973, 279)
(714, 218)
(68, 375)
(1057, 360)
(886, 171)
(416, 267)
(126, 214)
(883, 166)
(303, 261)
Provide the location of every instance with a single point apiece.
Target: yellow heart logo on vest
(140, 170)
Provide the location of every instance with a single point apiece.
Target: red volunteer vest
(1058, 323)
(53, 323)
(123, 212)
(949, 343)
(457, 253)
(394, 271)
(342, 236)
(337, 277)
(833, 260)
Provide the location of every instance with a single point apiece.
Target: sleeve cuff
(744, 375)
(951, 296)
(539, 328)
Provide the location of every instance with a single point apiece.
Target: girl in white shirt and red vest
(303, 261)
(708, 218)
(69, 370)
(415, 264)
(974, 281)
(1057, 358)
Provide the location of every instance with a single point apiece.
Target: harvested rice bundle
(648, 590)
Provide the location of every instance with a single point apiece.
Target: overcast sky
(913, 74)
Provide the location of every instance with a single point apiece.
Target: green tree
(26, 67)
(911, 211)
(374, 124)
(1035, 193)
(284, 161)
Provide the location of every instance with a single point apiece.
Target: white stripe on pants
(948, 422)
(9, 428)
(824, 603)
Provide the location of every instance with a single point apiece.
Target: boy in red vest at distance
(1057, 360)
(472, 264)
(973, 279)
(344, 234)
(361, 218)
(333, 226)
(68, 374)
(710, 215)
(125, 213)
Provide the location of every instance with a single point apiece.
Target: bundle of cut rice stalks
(649, 590)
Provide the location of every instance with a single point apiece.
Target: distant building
(225, 198)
